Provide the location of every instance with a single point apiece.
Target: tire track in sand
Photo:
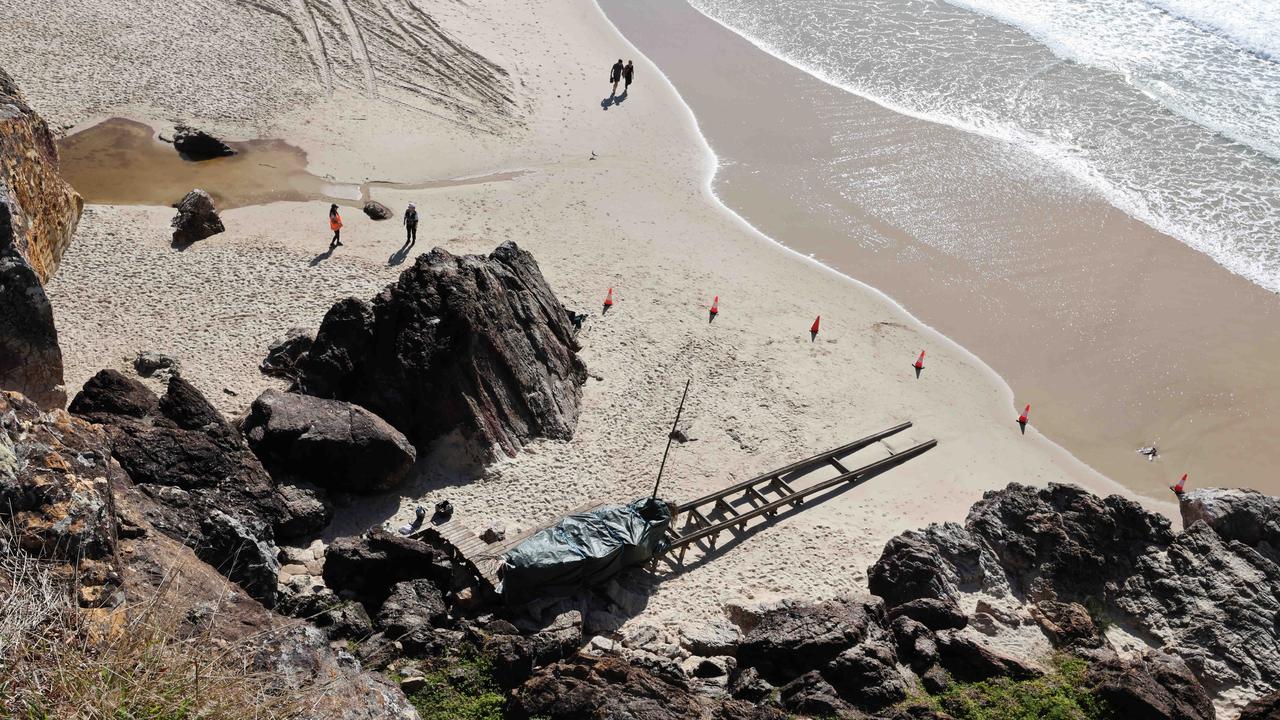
(311, 32)
(359, 51)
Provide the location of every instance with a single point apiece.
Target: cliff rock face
(478, 344)
(208, 490)
(30, 357)
(70, 504)
(44, 208)
(1210, 597)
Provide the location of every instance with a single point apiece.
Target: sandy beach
(1120, 336)
(604, 193)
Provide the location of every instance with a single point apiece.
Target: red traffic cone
(715, 308)
(1023, 419)
(608, 302)
(813, 329)
(1182, 484)
(919, 364)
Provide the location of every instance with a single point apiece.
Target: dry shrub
(145, 661)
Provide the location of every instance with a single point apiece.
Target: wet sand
(1118, 335)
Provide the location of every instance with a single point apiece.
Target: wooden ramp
(700, 522)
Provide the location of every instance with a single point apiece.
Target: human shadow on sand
(400, 255)
(322, 257)
(613, 99)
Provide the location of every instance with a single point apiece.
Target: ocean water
(1169, 108)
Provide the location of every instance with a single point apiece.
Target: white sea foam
(1170, 108)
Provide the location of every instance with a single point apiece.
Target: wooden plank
(839, 468)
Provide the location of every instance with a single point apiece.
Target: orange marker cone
(608, 302)
(813, 330)
(919, 364)
(1182, 484)
(715, 308)
(1023, 419)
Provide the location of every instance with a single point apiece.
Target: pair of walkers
(410, 226)
(621, 73)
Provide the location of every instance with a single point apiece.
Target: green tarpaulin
(585, 549)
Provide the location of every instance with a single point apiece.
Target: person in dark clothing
(615, 75)
(627, 72)
(335, 224)
(410, 225)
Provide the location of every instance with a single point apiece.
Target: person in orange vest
(335, 224)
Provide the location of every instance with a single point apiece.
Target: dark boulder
(1067, 625)
(930, 564)
(789, 640)
(149, 362)
(471, 343)
(196, 144)
(933, 613)
(811, 694)
(371, 564)
(1156, 686)
(30, 357)
(607, 689)
(197, 219)
(917, 644)
(1266, 707)
(333, 444)
(284, 354)
(867, 676)
(411, 605)
(377, 210)
(968, 661)
(1238, 514)
(744, 710)
(749, 685)
(208, 489)
(111, 394)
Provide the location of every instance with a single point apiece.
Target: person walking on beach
(615, 75)
(410, 225)
(335, 224)
(627, 72)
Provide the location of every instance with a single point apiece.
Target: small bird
(593, 155)
(1151, 452)
(576, 319)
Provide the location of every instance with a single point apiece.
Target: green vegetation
(460, 689)
(1060, 695)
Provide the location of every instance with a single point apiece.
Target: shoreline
(1164, 507)
(1205, 404)
(640, 218)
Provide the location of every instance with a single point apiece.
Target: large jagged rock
(370, 564)
(197, 219)
(70, 504)
(198, 145)
(284, 354)
(1209, 598)
(471, 343)
(604, 688)
(30, 357)
(209, 489)
(41, 209)
(331, 443)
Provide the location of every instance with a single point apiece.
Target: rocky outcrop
(475, 344)
(196, 144)
(30, 357)
(369, 565)
(39, 207)
(330, 443)
(605, 688)
(1067, 560)
(70, 504)
(56, 479)
(377, 211)
(208, 489)
(197, 219)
